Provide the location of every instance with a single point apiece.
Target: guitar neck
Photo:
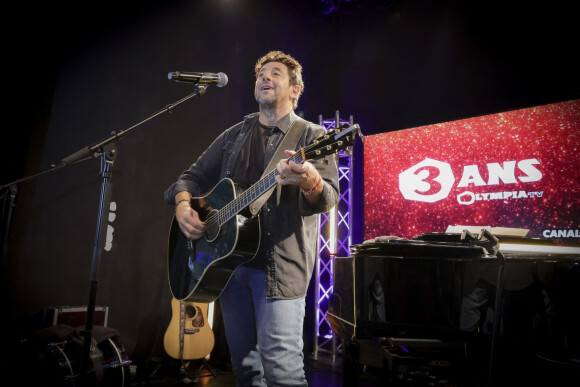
(254, 192)
(330, 143)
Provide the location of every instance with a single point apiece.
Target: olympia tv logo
(432, 180)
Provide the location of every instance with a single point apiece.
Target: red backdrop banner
(517, 169)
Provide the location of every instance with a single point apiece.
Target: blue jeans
(264, 336)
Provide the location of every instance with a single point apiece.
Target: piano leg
(497, 319)
(350, 363)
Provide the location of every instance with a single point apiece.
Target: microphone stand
(13, 191)
(108, 153)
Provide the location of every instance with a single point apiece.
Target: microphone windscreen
(223, 80)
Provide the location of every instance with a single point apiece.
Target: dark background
(75, 72)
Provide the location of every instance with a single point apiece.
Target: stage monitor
(516, 169)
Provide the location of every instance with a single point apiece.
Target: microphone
(220, 79)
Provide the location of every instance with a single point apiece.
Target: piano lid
(417, 248)
(465, 245)
(510, 244)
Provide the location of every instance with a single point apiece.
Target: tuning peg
(362, 137)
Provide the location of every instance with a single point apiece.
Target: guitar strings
(232, 208)
(227, 212)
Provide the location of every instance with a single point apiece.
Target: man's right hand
(189, 221)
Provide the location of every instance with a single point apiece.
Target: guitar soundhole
(212, 226)
(190, 311)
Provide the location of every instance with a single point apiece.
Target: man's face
(273, 87)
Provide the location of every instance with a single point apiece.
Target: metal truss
(334, 240)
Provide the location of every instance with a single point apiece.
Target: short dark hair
(294, 69)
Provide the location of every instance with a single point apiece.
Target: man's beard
(266, 103)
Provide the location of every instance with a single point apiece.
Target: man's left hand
(303, 175)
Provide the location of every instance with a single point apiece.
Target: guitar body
(199, 270)
(188, 335)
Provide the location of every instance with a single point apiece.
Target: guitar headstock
(331, 142)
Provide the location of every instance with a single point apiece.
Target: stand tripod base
(186, 367)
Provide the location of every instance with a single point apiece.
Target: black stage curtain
(392, 67)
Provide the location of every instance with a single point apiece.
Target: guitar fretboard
(332, 142)
(254, 192)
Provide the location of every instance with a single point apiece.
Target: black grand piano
(459, 309)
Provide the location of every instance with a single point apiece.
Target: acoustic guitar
(200, 269)
(188, 336)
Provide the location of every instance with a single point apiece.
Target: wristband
(309, 192)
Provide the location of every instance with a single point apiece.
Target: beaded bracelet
(309, 192)
(181, 200)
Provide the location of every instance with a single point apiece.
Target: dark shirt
(250, 164)
(248, 170)
(288, 221)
